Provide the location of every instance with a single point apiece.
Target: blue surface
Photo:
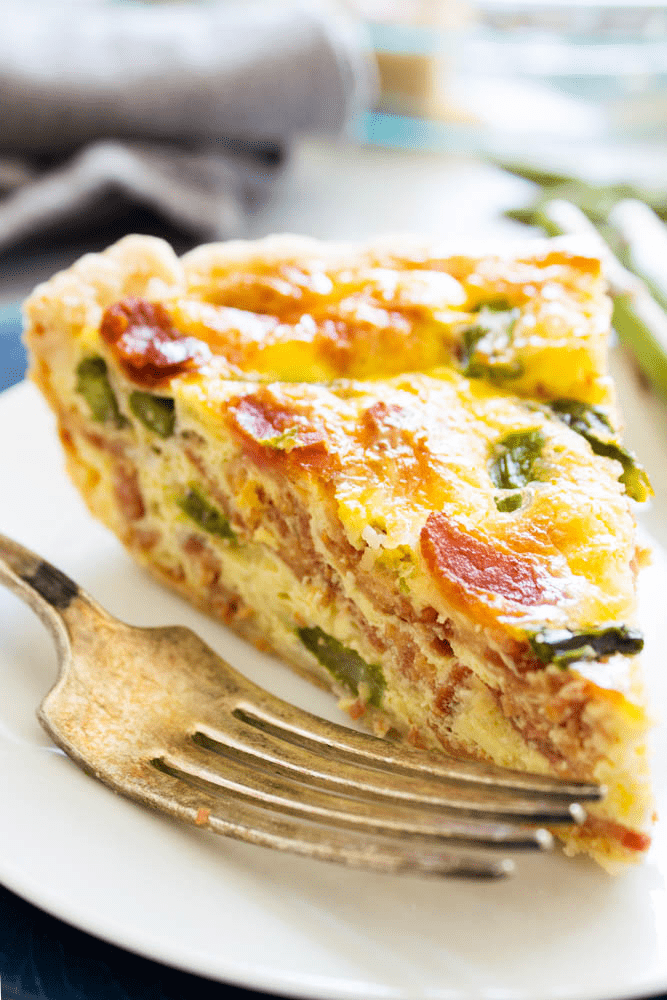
(396, 131)
(12, 352)
(44, 959)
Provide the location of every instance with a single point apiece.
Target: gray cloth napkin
(188, 108)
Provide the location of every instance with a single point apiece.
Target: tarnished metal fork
(162, 719)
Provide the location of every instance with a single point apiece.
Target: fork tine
(271, 714)
(390, 854)
(258, 748)
(201, 769)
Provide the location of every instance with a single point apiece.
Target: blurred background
(214, 120)
(529, 78)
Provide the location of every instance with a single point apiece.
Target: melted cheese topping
(389, 455)
(348, 370)
(375, 315)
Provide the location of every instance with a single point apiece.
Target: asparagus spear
(642, 242)
(545, 178)
(596, 200)
(638, 319)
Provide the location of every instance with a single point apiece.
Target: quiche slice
(396, 466)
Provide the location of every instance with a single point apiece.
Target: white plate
(558, 929)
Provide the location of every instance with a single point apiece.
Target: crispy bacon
(632, 840)
(276, 434)
(149, 348)
(471, 570)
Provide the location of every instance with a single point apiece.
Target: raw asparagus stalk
(643, 244)
(596, 200)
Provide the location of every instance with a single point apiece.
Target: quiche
(397, 466)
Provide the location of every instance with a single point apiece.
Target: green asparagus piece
(203, 513)
(484, 345)
(509, 502)
(594, 425)
(155, 412)
(515, 455)
(582, 418)
(565, 646)
(344, 664)
(634, 478)
(93, 384)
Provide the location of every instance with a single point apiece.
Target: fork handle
(47, 590)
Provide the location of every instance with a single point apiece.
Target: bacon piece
(446, 695)
(149, 348)
(274, 433)
(128, 494)
(202, 817)
(632, 840)
(471, 570)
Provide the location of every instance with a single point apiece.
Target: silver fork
(159, 717)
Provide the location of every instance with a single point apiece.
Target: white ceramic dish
(559, 930)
